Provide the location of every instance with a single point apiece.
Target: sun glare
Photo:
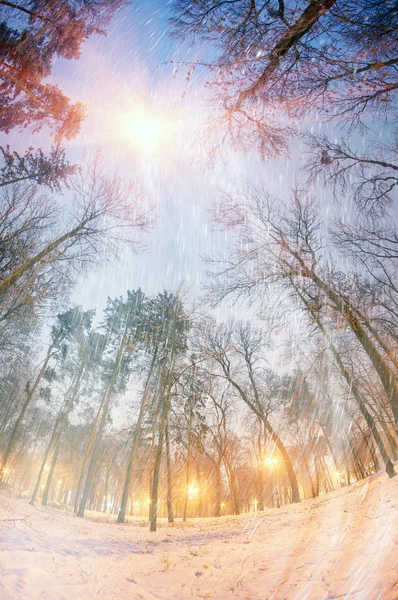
(147, 133)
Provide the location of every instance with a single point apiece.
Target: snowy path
(340, 546)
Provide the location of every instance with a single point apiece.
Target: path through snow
(340, 546)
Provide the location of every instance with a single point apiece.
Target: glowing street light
(271, 462)
(193, 491)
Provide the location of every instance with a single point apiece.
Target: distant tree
(85, 348)
(122, 327)
(236, 349)
(65, 328)
(35, 166)
(285, 250)
(37, 246)
(215, 440)
(189, 406)
(33, 34)
(173, 346)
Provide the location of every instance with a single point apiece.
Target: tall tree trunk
(317, 482)
(153, 507)
(47, 453)
(29, 396)
(200, 497)
(387, 432)
(330, 446)
(60, 423)
(386, 374)
(187, 476)
(54, 459)
(287, 462)
(361, 473)
(274, 436)
(95, 436)
(218, 492)
(108, 472)
(135, 442)
(92, 465)
(232, 484)
(354, 389)
(170, 517)
(307, 469)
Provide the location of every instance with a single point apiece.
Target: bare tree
(37, 246)
(273, 60)
(224, 344)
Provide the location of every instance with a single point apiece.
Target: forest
(199, 293)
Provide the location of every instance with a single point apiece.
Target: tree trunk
(47, 453)
(184, 517)
(218, 492)
(361, 473)
(46, 493)
(95, 436)
(274, 436)
(287, 462)
(60, 422)
(135, 442)
(170, 517)
(307, 469)
(354, 390)
(232, 484)
(153, 507)
(387, 377)
(29, 396)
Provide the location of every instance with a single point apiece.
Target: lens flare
(145, 132)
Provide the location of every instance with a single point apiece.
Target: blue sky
(127, 71)
(129, 68)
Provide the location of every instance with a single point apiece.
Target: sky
(125, 78)
(131, 89)
(129, 83)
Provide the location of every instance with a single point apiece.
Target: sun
(146, 132)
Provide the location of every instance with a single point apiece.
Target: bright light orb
(193, 491)
(145, 132)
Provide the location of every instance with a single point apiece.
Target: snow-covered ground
(344, 545)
